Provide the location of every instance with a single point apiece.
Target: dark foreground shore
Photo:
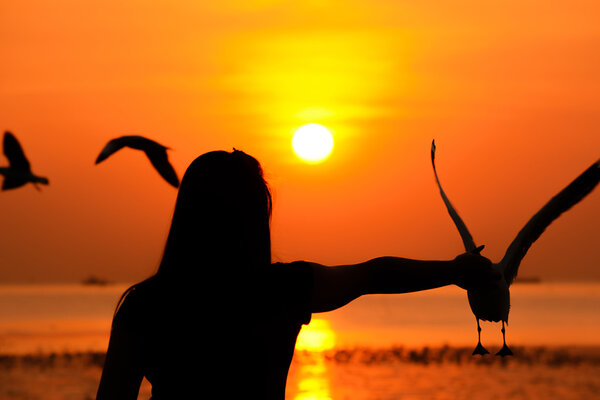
(550, 356)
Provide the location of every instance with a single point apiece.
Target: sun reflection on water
(313, 379)
(313, 374)
(316, 336)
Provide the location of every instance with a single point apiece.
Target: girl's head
(221, 216)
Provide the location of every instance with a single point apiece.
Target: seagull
(18, 172)
(156, 153)
(494, 305)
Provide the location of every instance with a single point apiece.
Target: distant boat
(94, 280)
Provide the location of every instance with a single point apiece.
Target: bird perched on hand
(156, 153)
(18, 172)
(494, 305)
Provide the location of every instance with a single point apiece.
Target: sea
(406, 346)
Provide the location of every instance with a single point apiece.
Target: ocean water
(410, 346)
(63, 318)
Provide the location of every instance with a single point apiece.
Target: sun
(313, 143)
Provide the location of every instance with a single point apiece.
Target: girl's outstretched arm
(336, 286)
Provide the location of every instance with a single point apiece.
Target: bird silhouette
(18, 172)
(156, 153)
(494, 305)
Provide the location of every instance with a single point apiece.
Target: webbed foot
(504, 351)
(480, 350)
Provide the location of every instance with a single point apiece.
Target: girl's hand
(475, 272)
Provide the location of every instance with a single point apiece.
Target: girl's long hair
(220, 225)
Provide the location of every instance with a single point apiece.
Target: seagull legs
(479, 349)
(504, 351)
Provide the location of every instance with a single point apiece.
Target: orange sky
(510, 92)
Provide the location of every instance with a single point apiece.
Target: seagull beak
(478, 250)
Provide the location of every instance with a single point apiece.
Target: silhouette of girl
(218, 317)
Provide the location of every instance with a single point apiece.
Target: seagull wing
(111, 147)
(156, 153)
(462, 228)
(12, 183)
(14, 153)
(560, 203)
(160, 160)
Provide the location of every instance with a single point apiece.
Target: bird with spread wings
(156, 153)
(18, 172)
(494, 305)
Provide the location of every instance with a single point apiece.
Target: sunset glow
(514, 108)
(339, 102)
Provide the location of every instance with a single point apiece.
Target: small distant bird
(18, 172)
(494, 305)
(156, 152)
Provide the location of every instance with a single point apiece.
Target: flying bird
(18, 172)
(494, 305)
(156, 153)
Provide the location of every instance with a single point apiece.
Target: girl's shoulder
(136, 303)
